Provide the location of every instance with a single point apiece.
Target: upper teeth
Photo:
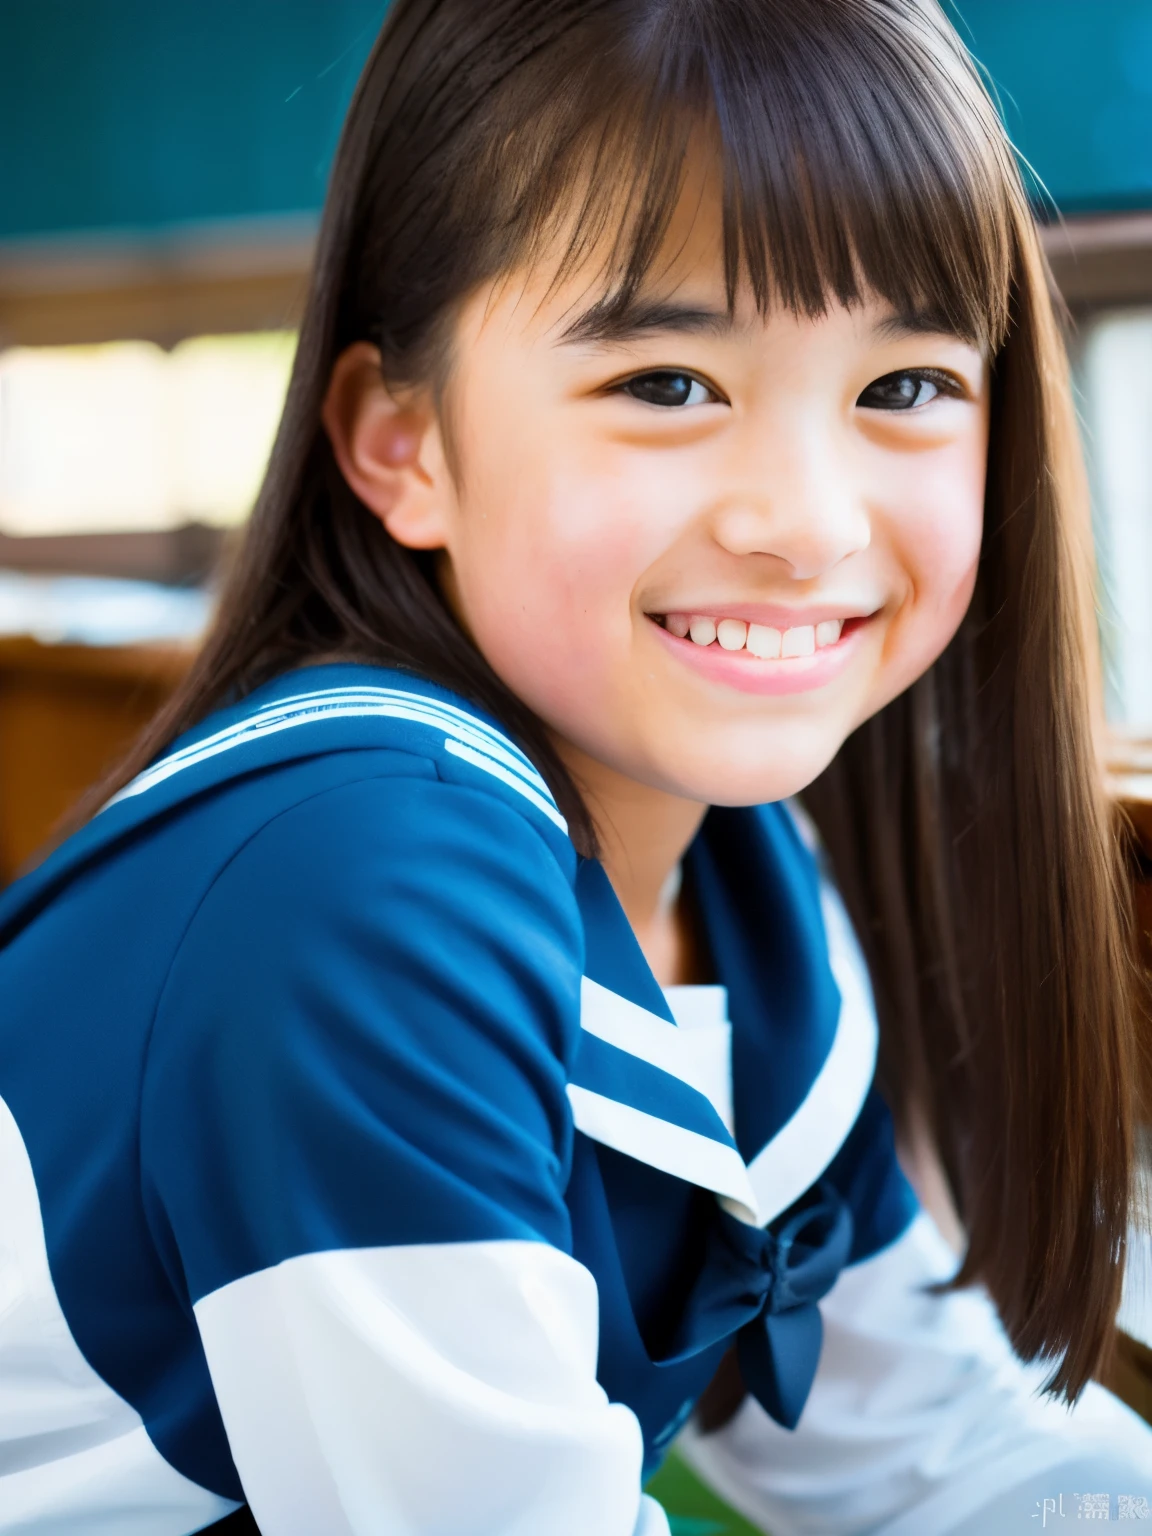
(760, 639)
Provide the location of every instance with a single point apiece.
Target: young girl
(445, 1053)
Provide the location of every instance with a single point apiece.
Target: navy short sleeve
(364, 1037)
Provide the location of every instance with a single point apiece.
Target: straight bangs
(859, 157)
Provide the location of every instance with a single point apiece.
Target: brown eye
(899, 392)
(668, 388)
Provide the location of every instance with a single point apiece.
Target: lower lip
(752, 674)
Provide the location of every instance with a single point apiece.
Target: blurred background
(162, 167)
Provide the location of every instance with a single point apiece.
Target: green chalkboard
(134, 114)
(1075, 83)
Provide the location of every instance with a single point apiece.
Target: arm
(357, 1136)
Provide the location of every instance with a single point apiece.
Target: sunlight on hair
(126, 436)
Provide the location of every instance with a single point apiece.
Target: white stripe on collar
(466, 737)
(801, 1150)
(715, 1165)
(685, 1154)
(634, 1029)
(497, 742)
(701, 1014)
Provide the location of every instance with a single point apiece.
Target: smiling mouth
(761, 641)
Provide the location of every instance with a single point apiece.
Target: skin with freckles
(778, 469)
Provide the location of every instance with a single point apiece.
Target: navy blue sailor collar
(304, 713)
(804, 1032)
(802, 1061)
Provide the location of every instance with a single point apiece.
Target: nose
(798, 500)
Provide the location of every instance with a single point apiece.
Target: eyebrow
(609, 320)
(919, 322)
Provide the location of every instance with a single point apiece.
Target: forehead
(575, 289)
(582, 312)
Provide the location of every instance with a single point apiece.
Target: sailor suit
(354, 1165)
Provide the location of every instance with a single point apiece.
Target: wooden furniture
(252, 275)
(1101, 261)
(67, 713)
(242, 275)
(183, 556)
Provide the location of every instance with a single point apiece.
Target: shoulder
(366, 1033)
(320, 712)
(286, 751)
(382, 795)
(390, 853)
(390, 831)
(402, 856)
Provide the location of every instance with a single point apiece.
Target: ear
(388, 450)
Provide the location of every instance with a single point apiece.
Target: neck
(644, 834)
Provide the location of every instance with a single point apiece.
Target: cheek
(936, 537)
(546, 561)
(942, 551)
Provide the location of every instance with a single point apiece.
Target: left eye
(668, 389)
(900, 392)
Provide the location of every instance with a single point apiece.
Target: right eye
(668, 388)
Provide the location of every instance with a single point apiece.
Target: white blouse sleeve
(922, 1422)
(427, 1390)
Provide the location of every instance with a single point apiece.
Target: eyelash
(941, 376)
(625, 385)
(947, 384)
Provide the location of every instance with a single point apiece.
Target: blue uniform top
(336, 1090)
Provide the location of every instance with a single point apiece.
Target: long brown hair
(860, 154)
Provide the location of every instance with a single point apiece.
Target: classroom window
(127, 436)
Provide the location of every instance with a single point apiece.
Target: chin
(757, 784)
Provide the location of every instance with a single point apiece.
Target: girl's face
(704, 551)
